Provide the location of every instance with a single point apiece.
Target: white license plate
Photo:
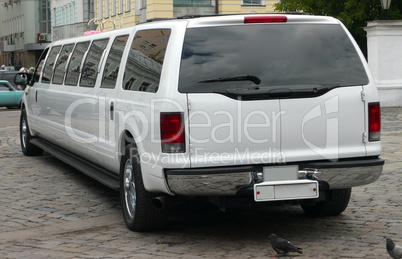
(286, 190)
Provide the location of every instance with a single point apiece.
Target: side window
(113, 62)
(60, 68)
(90, 68)
(48, 69)
(39, 67)
(4, 88)
(145, 60)
(73, 70)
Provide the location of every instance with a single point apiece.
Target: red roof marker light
(265, 19)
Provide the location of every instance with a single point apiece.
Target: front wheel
(25, 137)
(138, 212)
(336, 202)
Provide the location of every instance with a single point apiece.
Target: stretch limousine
(244, 110)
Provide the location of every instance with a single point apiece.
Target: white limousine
(244, 110)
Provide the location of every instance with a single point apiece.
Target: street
(9, 117)
(50, 210)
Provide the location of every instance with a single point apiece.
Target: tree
(353, 13)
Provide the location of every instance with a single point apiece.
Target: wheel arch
(126, 138)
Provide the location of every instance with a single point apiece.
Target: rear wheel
(138, 212)
(336, 202)
(25, 137)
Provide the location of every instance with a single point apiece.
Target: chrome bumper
(228, 181)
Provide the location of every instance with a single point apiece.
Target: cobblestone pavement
(50, 210)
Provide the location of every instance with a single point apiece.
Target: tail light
(172, 132)
(374, 117)
(265, 19)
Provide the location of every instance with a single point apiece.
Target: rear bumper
(229, 181)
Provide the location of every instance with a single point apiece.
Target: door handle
(111, 110)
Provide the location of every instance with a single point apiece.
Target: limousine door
(105, 113)
(105, 116)
(34, 94)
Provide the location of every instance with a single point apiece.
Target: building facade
(125, 13)
(23, 31)
(70, 17)
(27, 27)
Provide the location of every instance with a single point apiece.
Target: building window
(100, 9)
(107, 8)
(120, 6)
(128, 5)
(192, 2)
(150, 46)
(57, 14)
(45, 23)
(253, 2)
(113, 7)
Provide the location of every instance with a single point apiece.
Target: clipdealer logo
(329, 110)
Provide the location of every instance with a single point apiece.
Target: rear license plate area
(286, 190)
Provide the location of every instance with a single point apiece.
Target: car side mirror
(22, 78)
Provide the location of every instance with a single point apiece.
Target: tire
(336, 202)
(27, 148)
(138, 212)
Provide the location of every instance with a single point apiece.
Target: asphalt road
(50, 210)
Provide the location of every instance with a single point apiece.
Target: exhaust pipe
(158, 202)
(165, 202)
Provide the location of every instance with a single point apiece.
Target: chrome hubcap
(130, 195)
(24, 132)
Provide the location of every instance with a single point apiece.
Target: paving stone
(50, 210)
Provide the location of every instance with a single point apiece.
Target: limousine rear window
(48, 68)
(74, 66)
(90, 68)
(281, 55)
(113, 62)
(60, 67)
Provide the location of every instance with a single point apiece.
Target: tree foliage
(353, 13)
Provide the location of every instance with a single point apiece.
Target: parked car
(9, 76)
(7, 68)
(9, 96)
(246, 110)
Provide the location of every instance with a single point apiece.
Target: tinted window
(4, 87)
(285, 55)
(60, 68)
(48, 69)
(90, 68)
(40, 65)
(73, 70)
(113, 62)
(145, 60)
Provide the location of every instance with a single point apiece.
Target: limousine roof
(192, 21)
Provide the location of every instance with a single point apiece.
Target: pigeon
(393, 250)
(282, 246)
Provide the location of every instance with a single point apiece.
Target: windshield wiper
(246, 77)
(275, 92)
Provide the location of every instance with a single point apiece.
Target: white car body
(232, 140)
